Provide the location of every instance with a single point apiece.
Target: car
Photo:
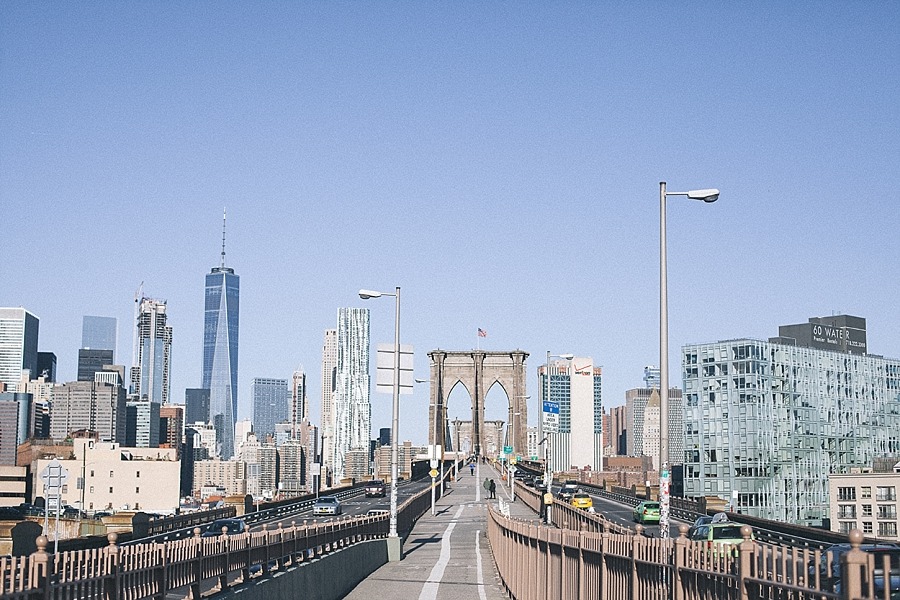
(11, 513)
(528, 481)
(327, 505)
(646, 512)
(720, 534)
(704, 520)
(377, 511)
(231, 527)
(521, 474)
(882, 557)
(539, 485)
(582, 500)
(567, 491)
(830, 567)
(375, 488)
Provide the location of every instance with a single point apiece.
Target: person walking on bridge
(471, 468)
(486, 485)
(493, 489)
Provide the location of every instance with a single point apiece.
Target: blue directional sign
(551, 407)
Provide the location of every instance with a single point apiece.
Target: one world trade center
(220, 351)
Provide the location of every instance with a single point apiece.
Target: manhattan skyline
(498, 163)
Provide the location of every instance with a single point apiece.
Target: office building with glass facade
(150, 376)
(767, 422)
(270, 405)
(18, 345)
(99, 333)
(220, 353)
(575, 390)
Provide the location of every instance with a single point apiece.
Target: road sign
(551, 407)
(433, 463)
(54, 475)
(551, 422)
(433, 473)
(507, 449)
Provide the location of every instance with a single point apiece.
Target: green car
(646, 512)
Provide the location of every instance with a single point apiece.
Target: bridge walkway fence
(153, 569)
(537, 562)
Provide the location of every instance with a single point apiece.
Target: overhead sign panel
(384, 374)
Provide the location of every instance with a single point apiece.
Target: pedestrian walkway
(447, 556)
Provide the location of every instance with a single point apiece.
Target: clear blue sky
(498, 161)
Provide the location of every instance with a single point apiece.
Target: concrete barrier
(330, 577)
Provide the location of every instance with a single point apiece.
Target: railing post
(582, 593)
(604, 571)
(39, 568)
(198, 565)
(636, 539)
(746, 550)
(680, 551)
(111, 584)
(161, 571)
(852, 565)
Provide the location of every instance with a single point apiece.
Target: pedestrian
(493, 489)
(471, 468)
(486, 485)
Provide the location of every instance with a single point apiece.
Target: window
(137, 490)
(110, 490)
(887, 529)
(847, 526)
(65, 489)
(138, 474)
(885, 493)
(110, 473)
(887, 511)
(867, 526)
(92, 472)
(846, 511)
(92, 489)
(91, 506)
(865, 491)
(844, 493)
(867, 510)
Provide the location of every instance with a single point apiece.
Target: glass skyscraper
(99, 333)
(270, 405)
(766, 423)
(150, 375)
(18, 345)
(351, 407)
(220, 352)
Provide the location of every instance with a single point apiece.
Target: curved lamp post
(393, 537)
(709, 195)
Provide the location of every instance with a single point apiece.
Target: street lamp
(548, 471)
(393, 538)
(710, 195)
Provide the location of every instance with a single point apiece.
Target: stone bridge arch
(478, 371)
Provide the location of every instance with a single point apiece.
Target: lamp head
(710, 195)
(366, 294)
(567, 356)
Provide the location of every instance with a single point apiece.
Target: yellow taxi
(582, 500)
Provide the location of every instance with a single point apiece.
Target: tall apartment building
(618, 430)
(171, 426)
(770, 421)
(15, 424)
(99, 333)
(89, 405)
(18, 345)
(220, 351)
(229, 475)
(299, 410)
(292, 468)
(270, 405)
(141, 424)
(329, 377)
(351, 408)
(150, 375)
(576, 388)
(636, 425)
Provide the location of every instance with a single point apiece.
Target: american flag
(482, 332)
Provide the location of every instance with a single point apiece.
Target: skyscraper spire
(224, 214)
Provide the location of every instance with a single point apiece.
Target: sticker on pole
(433, 473)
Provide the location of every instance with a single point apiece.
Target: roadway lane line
(430, 589)
(481, 594)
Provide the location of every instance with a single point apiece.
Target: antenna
(224, 214)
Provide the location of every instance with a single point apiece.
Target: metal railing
(152, 570)
(536, 562)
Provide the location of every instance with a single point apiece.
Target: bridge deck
(447, 556)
